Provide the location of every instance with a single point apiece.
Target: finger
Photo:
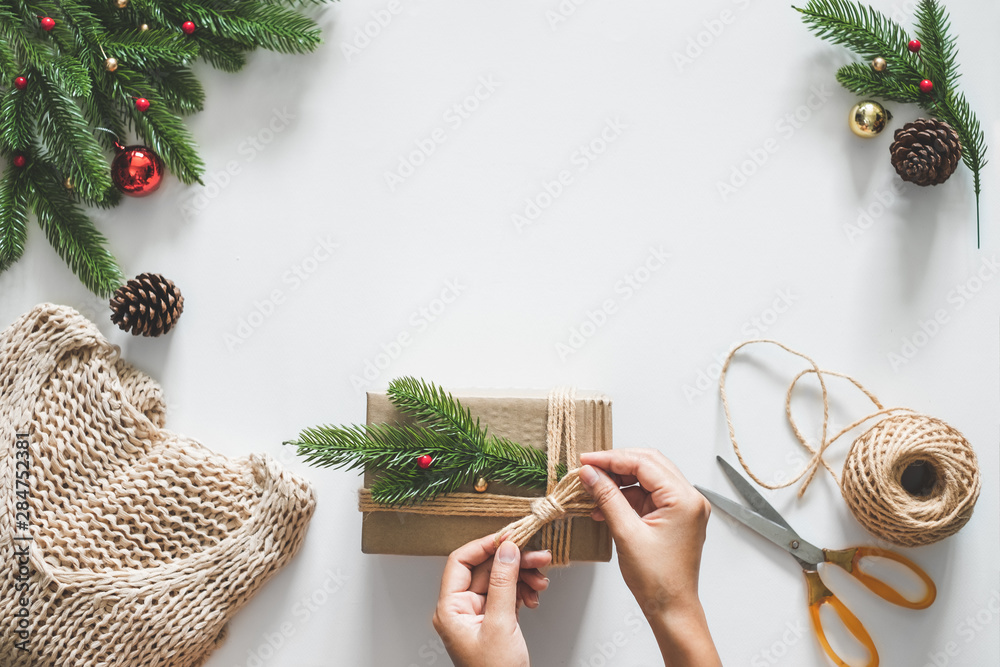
(530, 598)
(535, 559)
(597, 515)
(653, 471)
(458, 570)
(636, 497)
(481, 577)
(502, 595)
(534, 579)
(621, 518)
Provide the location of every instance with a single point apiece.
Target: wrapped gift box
(520, 416)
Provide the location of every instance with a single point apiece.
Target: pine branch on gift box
(872, 35)
(448, 449)
(69, 68)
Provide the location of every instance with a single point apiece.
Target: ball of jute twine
(901, 440)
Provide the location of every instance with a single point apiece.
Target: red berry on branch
(48, 23)
(188, 27)
(913, 45)
(142, 104)
(20, 83)
(926, 86)
(425, 461)
(19, 160)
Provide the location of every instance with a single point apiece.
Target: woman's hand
(481, 591)
(658, 523)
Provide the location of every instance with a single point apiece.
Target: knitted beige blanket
(121, 543)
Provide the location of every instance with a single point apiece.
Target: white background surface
(342, 123)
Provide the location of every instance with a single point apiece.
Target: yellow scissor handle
(820, 595)
(848, 560)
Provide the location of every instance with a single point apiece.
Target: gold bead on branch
(481, 485)
(121, 4)
(868, 118)
(879, 64)
(111, 64)
(144, 27)
(68, 183)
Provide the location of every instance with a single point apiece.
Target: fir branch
(938, 55)
(436, 409)
(151, 49)
(860, 78)
(70, 232)
(180, 90)
(69, 74)
(460, 447)
(871, 34)
(861, 29)
(68, 138)
(13, 216)
(17, 122)
(391, 450)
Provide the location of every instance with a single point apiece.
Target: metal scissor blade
(807, 555)
(751, 495)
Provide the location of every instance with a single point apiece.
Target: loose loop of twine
(551, 515)
(871, 479)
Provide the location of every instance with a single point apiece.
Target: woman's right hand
(658, 523)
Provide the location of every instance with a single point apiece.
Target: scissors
(766, 521)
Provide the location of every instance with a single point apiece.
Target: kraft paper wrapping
(520, 416)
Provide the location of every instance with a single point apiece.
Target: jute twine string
(871, 478)
(550, 514)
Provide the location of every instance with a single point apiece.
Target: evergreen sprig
(461, 448)
(54, 122)
(871, 34)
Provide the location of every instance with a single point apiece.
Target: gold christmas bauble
(122, 4)
(144, 27)
(481, 484)
(879, 64)
(868, 118)
(111, 64)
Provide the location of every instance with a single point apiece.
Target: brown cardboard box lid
(519, 415)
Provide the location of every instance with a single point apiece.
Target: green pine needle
(56, 122)
(870, 34)
(460, 447)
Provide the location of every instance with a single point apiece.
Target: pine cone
(925, 151)
(149, 305)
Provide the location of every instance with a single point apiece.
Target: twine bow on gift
(563, 498)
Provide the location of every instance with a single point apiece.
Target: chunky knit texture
(145, 543)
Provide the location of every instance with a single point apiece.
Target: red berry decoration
(142, 104)
(913, 45)
(188, 27)
(20, 161)
(425, 461)
(48, 23)
(20, 83)
(926, 86)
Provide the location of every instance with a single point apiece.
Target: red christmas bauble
(20, 83)
(136, 170)
(188, 27)
(425, 461)
(926, 86)
(142, 104)
(913, 45)
(19, 160)
(48, 23)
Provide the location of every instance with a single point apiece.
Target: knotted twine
(551, 514)
(871, 481)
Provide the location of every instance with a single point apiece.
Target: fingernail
(588, 475)
(507, 553)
